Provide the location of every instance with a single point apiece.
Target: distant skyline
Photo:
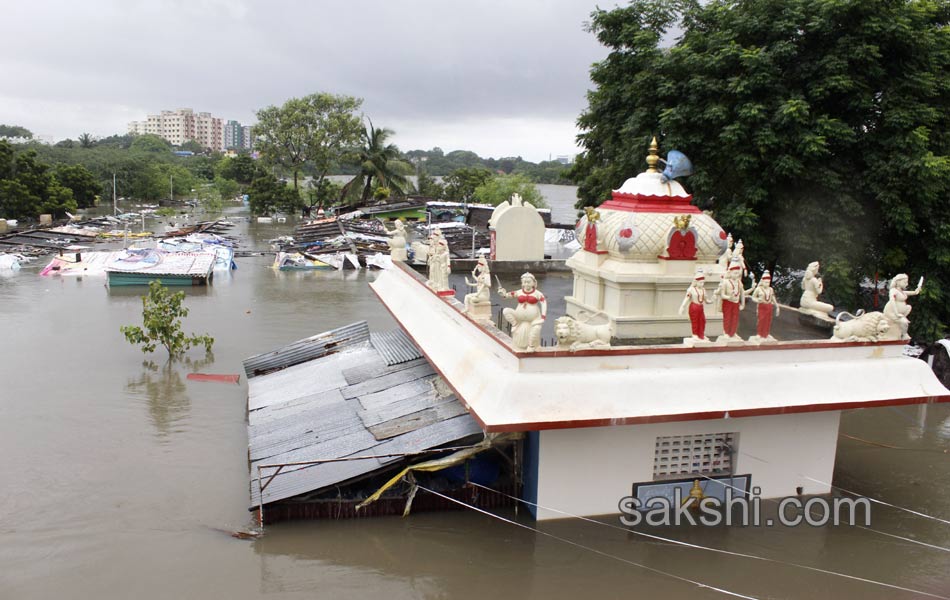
(497, 78)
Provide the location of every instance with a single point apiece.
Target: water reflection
(164, 389)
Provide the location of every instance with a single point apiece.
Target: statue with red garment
(730, 299)
(590, 231)
(682, 242)
(696, 299)
(764, 296)
(525, 320)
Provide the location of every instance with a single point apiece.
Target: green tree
(322, 194)
(28, 187)
(427, 185)
(150, 143)
(192, 146)
(57, 201)
(162, 313)
(268, 195)
(86, 141)
(81, 181)
(314, 130)
(241, 168)
(460, 184)
(227, 188)
(15, 131)
(815, 127)
(381, 166)
(16, 201)
(499, 188)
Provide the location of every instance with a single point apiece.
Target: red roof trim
(650, 204)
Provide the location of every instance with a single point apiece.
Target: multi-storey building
(233, 135)
(183, 125)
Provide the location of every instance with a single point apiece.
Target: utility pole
(115, 203)
(171, 188)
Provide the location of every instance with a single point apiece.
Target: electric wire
(877, 531)
(711, 549)
(875, 500)
(589, 549)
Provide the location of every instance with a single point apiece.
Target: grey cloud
(412, 61)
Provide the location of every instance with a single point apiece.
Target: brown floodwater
(119, 477)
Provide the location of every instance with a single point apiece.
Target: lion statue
(574, 335)
(862, 327)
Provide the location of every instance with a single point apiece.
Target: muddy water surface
(119, 477)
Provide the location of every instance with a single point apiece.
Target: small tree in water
(161, 323)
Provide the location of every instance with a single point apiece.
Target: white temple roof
(652, 184)
(510, 391)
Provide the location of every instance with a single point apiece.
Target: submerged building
(631, 406)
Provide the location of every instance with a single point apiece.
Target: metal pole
(260, 501)
(115, 203)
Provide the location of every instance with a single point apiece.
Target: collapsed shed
(331, 418)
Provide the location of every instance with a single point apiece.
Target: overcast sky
(496, 77)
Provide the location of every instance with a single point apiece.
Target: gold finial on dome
(652, 157)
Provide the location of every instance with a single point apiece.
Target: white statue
(896, 310)
(397, 245)
(863, 327)
(739, 253)
(764, 297)
(812, 287)
(439, 262)
(696, 300)
(477, 302)
(575, 335)
(726, 256)
(525, 320)
(730, 299)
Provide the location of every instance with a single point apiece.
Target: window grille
(681, 456)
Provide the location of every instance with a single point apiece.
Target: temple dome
(637, 223)
(645, 236)
(651, 184)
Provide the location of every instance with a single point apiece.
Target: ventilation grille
(680, 456)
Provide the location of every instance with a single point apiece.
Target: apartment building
(183, 125)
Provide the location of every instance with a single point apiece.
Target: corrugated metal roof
(307, 349)
(395, 346)
(353, 403)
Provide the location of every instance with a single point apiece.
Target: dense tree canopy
(818, 128)
(15, 131)
(460, 185)
(81, 181)
(500, 188)
(29, 188)
(315, 130)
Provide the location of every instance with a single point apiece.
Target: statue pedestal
(399, 254)
(691, 342)
(725, 340)
(480, 311)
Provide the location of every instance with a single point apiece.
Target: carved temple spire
(652, 157)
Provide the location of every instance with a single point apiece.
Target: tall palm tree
(86, 141)
(380, 164)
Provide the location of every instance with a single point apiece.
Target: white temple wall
(519, 234)
(587, 471)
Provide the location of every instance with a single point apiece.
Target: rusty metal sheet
(307, 349)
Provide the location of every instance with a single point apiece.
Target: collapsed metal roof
(344, 393)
